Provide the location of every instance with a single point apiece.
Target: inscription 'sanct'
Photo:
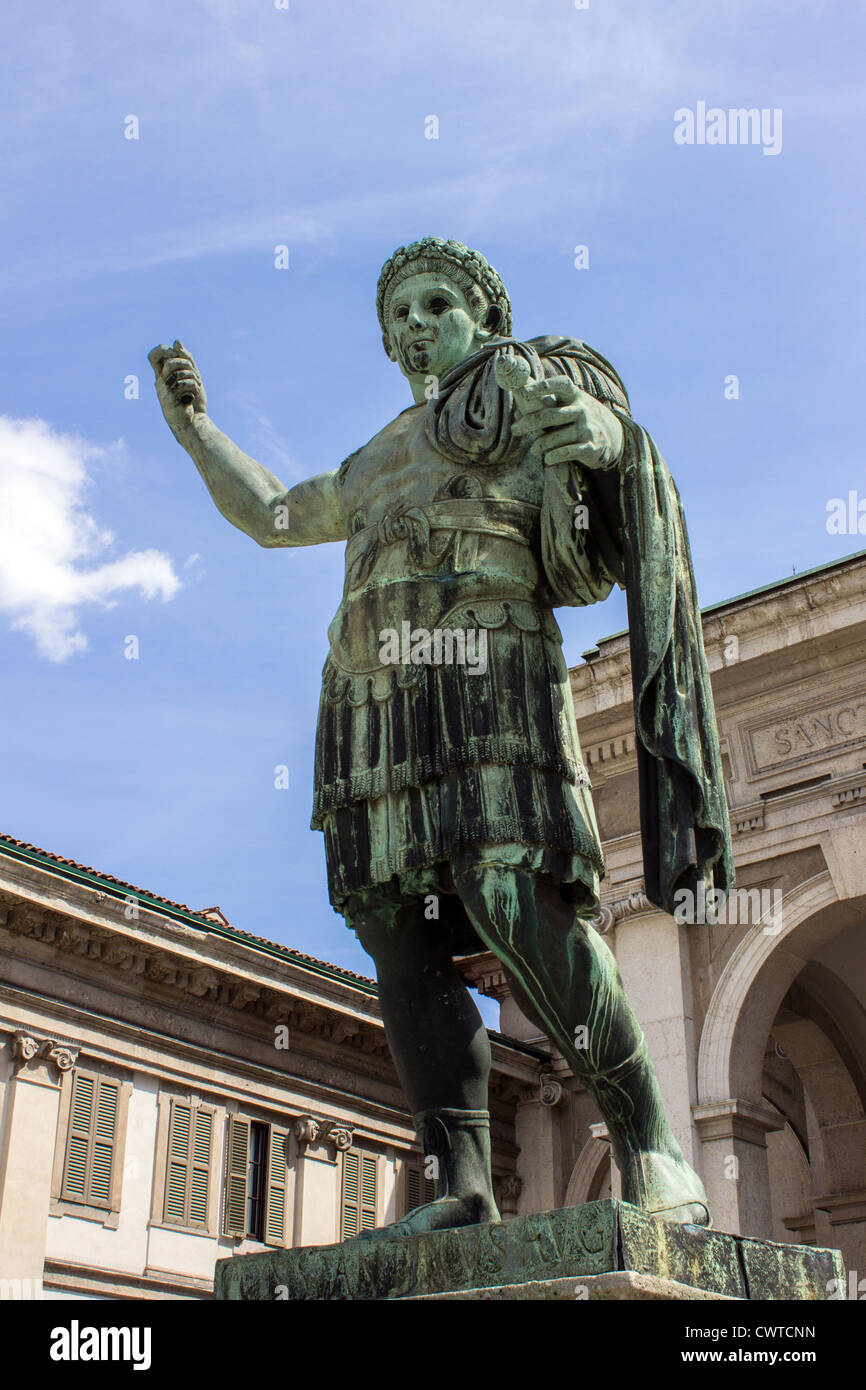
(809, 733)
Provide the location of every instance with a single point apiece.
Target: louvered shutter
(178, 1162)
(188, 1168)
(200, 1167)
(102, 1150)
(237, 1168)
(369, 1169)
(417, 1189)
(90, 1141)
(275, 1213)
(78, 1138)
(351, 1192)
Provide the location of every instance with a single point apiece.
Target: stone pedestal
(540, 1256)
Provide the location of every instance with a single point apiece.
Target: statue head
(438, 302)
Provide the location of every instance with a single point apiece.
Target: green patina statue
(456, 811)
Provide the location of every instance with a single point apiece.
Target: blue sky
(260, 127)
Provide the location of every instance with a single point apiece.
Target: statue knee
(374, 926)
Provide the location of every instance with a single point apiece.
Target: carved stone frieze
(202, 982)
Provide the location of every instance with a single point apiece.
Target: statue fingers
(574, 435)
(158, 356)
(539, 394)
(583, 454)
(551, 417)
(175, 371)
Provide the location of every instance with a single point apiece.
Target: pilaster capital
(31, 1053)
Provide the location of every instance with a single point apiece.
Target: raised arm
(247, 493)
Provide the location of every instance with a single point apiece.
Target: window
(360, 1193)
(256, 1175)
(90, 1158)
(187, 1179)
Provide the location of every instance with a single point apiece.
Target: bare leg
(566, 980)
(441, 1051)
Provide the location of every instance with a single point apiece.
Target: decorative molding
(611, 750)
(306, 1129)
(509, 1194)
(747, 818)
(550, 1091)
(737, 1119)
(609, 914)
(27, 1048)
(848, 796)
(341, 1135)
(203, 982)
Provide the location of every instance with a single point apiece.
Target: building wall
(163, 1008)
(756, 1024)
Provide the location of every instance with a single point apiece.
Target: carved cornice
(618, 749)
(745, 819)
(131, 957)
(26, 1048)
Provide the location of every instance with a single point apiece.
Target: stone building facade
(174, 1090)
(757, 1023)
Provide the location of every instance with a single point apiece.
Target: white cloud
(54, 555)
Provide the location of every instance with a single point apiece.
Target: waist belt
(515, 521)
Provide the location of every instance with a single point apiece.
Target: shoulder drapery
(632, 533)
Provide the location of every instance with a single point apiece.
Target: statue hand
(178, 385)
(567, 425)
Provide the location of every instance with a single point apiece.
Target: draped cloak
(416, 761)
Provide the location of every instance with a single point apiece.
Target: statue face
(431, 326)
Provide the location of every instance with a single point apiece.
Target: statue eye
(401, 312)
(439, 305)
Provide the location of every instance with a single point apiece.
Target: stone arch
(732, 1113)
(755, 980)
(589, 1172)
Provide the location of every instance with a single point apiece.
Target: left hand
(568, 425)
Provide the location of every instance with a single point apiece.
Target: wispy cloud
(55, 558)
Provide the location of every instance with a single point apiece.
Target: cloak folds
(635, 536)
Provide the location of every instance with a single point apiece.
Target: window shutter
(188, 1168)
(369, 1169)
(237, 1164)
(275, 1214)
(360, 1172)
(413, 1188)
(91, 1140)
(416, 1188)
(104, 1130)
(351, 1175)
(200, 1167)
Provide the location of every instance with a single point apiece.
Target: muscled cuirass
(428, 539)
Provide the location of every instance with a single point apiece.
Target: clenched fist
(178, 385)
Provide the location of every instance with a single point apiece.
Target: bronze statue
(456, 811)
